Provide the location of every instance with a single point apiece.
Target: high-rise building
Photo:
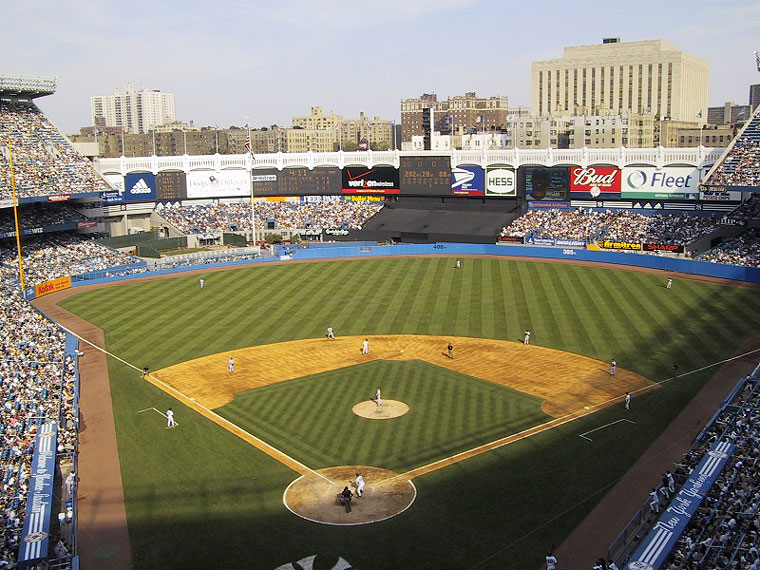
(136, 111)
(728, 113)
(645, 77)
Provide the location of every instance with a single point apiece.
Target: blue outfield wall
(678, 265)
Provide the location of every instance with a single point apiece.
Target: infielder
(450, 351)
(627, 400)
(613, 367)
(330, 333)
(365, 346)
(378, 397)
(526, 338)
(170, 419)
(359, 485)
(551, 561)
(231, 364)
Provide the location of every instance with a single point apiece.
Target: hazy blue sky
(228, 59)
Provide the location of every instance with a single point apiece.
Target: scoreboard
(430, 175)
(296, 181)
(171, 185)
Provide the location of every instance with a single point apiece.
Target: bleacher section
(427, 220)
(740, 164)
(44, 162)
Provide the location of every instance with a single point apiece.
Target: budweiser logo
(592, 177)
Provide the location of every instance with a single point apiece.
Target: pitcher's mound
(316, 499)
(389, 409)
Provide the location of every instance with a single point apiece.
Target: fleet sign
(595, 182)
(681, 183)
(501, 182)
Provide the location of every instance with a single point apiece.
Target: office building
(136, 111)
(644, 77)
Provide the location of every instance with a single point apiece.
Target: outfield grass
(199, 497)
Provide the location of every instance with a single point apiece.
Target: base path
(566, 382)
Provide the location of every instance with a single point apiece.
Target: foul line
(273, 452)
(583, 435)
(299, 467)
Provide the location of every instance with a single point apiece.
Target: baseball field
(471, 462)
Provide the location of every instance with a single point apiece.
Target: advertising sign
(664, 247)
(53, 286)
(501, 182)
(595, 182)
(140, 187)
(213, 184)
(672, 183)
(377, 180)
(542, 183)
(39, 505)
(619, 245)
(467, 180)
(657, 546)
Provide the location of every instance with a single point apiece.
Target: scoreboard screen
(430, 175)
(171, 185)
(296, 181)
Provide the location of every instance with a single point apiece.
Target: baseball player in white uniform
(170, 419)
(526, 338)
(613, 367)
(330, 333)
(365, 346)
(378, 397)
(359, 485)
(231, 364)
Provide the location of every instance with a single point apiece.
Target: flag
(699, 115)
(479, 119)
(248, 144)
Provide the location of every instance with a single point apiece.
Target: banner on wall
(501, 182)
(602, 182)
(672, 183)
(377, 180)
(467, 181)
(218, 184)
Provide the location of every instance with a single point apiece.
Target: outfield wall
(674, 264)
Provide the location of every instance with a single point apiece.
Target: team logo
(35, 536)
(308, 564)
(639, 565)
(140, 187)
(715, 454)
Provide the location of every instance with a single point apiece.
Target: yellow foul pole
(15, 219)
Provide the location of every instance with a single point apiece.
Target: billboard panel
(171, 185)
(541, 183)
(296, 181)
(429, 175)
(467, 181)
(672, 183)
(595, 182)
(501, 182)
(218, 184)
(377, 180)
(140, 187)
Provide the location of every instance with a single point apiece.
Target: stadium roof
(14, 85)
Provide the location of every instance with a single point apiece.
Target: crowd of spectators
(742, 250)
(38, 384)
(725, 531)
(618, 225)
(741, 166)
(204, 218)
(38, 216)
(50, 256)
(44, 162)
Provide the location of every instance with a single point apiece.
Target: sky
(227, 60)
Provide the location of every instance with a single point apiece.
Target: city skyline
(273, 62)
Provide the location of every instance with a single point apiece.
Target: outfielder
(613, 367)
(526, 338)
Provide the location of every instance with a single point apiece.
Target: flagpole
(15, 221)
(249, 148)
